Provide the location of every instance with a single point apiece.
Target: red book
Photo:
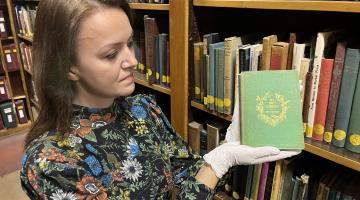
(322, 98)
(334, 91)
(3, 31)
(262, 182)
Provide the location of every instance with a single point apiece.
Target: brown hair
(56, 29)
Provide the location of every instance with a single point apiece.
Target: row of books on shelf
(149, 1)
(10, 56)
(296, 178)
(13, 114)
(327, 69)
(25, 19)
(26, 56)
(151, 49)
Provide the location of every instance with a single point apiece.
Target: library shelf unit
(322, 149)
(178, 37)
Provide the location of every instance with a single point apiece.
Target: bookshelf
(15, 82)
(141, 80)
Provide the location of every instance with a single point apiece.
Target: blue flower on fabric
(24, 159)
(90, 148)
(139, 112)
(106, 179)
(181, 176)
(133, 148)
(94, 165)
(144, 101)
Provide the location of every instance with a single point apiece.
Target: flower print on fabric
(91, 188)
(61, 195)
(132, 169)
(138, 112)
(94, 165)
(133, 148)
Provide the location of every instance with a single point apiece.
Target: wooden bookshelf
(334, 6)
(29, 39)
(202, 107)
(149, 6)
(11, 131)
(333, 153)
(140, 79)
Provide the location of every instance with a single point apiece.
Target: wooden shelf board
(29, 39)
(202, 107)
(12, 131)
(337, 6)
(149, 6)
(339, 155)
(19, 97)
(140, 79)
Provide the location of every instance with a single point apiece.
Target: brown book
(4, 91)
(334, 91)
(268, 42)
(3, 30)
(198, 48)
(279, 54)
(21, 111)
(194, 135)
(292, 40)
(151, 30)
(306, 104)
(322, 98)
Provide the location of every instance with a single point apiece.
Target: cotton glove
(233, 153)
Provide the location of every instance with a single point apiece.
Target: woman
(94, 141)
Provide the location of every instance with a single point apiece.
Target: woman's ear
(73, 74)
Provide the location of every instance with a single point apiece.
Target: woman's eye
(111, 55)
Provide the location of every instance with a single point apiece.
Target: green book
(270, 109)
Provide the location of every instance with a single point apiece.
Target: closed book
(304, 69)
(263, 179)
(3, 30)
(151, 30)
(270, 110)
(249, 178)
(275, 190)
(194, 135)
(255, 181)
(306, 103)
(279, 54)
(8, 115)
(334, 91)
(353, 138)
(21, 111)
(244, 58)
(203, 142)
(9, 58)
(230, 46)
(1, 123)
(239, 181)
(268, 42)
(4, 91)
(322, 98)
(321, 42)
(347, 89)
(298, 55)
(212, 74)
(219, 79)
(213, 137)
(292, 40)
(198, 47)
(163, 59)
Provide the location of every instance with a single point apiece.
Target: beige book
(230, 45)
(198, 47)
(298, 54)
(279, 55)
(268, 42)
(194, 135)
(304, 68)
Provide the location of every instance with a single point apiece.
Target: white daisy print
(132, 169)
(61, 195)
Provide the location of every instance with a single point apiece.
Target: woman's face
(105, 60)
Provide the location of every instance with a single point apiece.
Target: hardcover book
(270, 109)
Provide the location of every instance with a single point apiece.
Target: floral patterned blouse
(126, 151)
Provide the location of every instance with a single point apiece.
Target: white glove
(233, 153)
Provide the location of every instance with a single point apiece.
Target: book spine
(197, 72)
(353, 138)
(266, 56)
(220, 81)
(348, 82)
(228, 74)
(334, 91)
(262, 183)
(307, 95)
(279, 54)
(292, 40)
(322, 98)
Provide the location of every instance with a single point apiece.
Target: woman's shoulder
(139, 100)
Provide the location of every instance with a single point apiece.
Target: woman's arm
(206, 176)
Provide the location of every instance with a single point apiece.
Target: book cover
(322, 98)
(194, 129)
(270, 109)
(279, 55)
(334, 91)
(268, 41)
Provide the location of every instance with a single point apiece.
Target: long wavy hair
(56, 29)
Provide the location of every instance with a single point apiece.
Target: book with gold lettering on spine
(270, 109)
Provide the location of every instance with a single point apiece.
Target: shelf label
(2, 90)
(8, 58)
(2, 28)
(21, 114)
(10, 119)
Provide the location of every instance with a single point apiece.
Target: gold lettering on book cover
(272, 108)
